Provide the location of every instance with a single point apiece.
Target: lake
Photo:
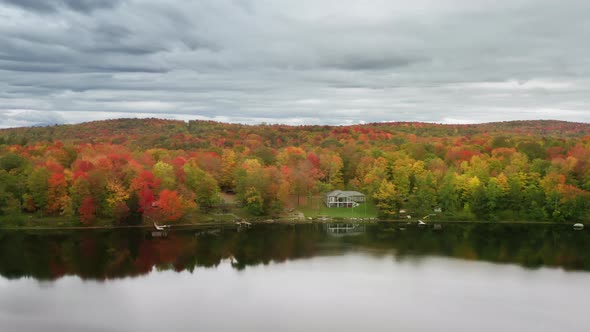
(319, 277)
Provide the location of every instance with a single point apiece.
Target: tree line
(134, 170)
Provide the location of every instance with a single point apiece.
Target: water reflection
(340, 229)
(103, 255)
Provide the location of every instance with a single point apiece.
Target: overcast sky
(294, 62)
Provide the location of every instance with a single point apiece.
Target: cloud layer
(294, 62)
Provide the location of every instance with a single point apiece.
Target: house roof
(344, 193)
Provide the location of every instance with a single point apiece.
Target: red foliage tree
(87, 211)
(56, 193)
(146, 199)
(170, 206)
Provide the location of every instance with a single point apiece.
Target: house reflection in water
(159, 233)
(341, 229)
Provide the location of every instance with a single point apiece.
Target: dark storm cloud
(374, 63)
(294, 61)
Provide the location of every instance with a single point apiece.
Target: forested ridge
(133, 170)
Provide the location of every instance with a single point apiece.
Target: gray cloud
(51, 6)
(294, 61)
(20, 118)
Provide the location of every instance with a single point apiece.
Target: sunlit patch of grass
(316, 207)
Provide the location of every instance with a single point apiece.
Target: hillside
(123, 169)
(195, 134)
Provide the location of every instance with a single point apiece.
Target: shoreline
(278, 222)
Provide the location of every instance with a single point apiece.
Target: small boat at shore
(578, 226)
(162, 227)
(422, 222)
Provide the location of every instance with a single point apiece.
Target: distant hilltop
(152, 132)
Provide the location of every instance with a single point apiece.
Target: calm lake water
(477, 277)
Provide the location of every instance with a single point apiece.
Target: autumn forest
(130, 171)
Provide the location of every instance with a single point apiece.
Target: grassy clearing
(315, 207)
(311, 207)
(31, 220)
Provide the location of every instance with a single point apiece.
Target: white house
(341, 198)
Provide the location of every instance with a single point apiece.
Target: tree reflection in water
(101, 255)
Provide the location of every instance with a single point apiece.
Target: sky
(294, 61)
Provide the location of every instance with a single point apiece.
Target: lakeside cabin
(341, 198)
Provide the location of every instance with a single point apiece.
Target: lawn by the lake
(315, 207)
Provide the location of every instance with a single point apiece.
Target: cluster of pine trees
(131, 170)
